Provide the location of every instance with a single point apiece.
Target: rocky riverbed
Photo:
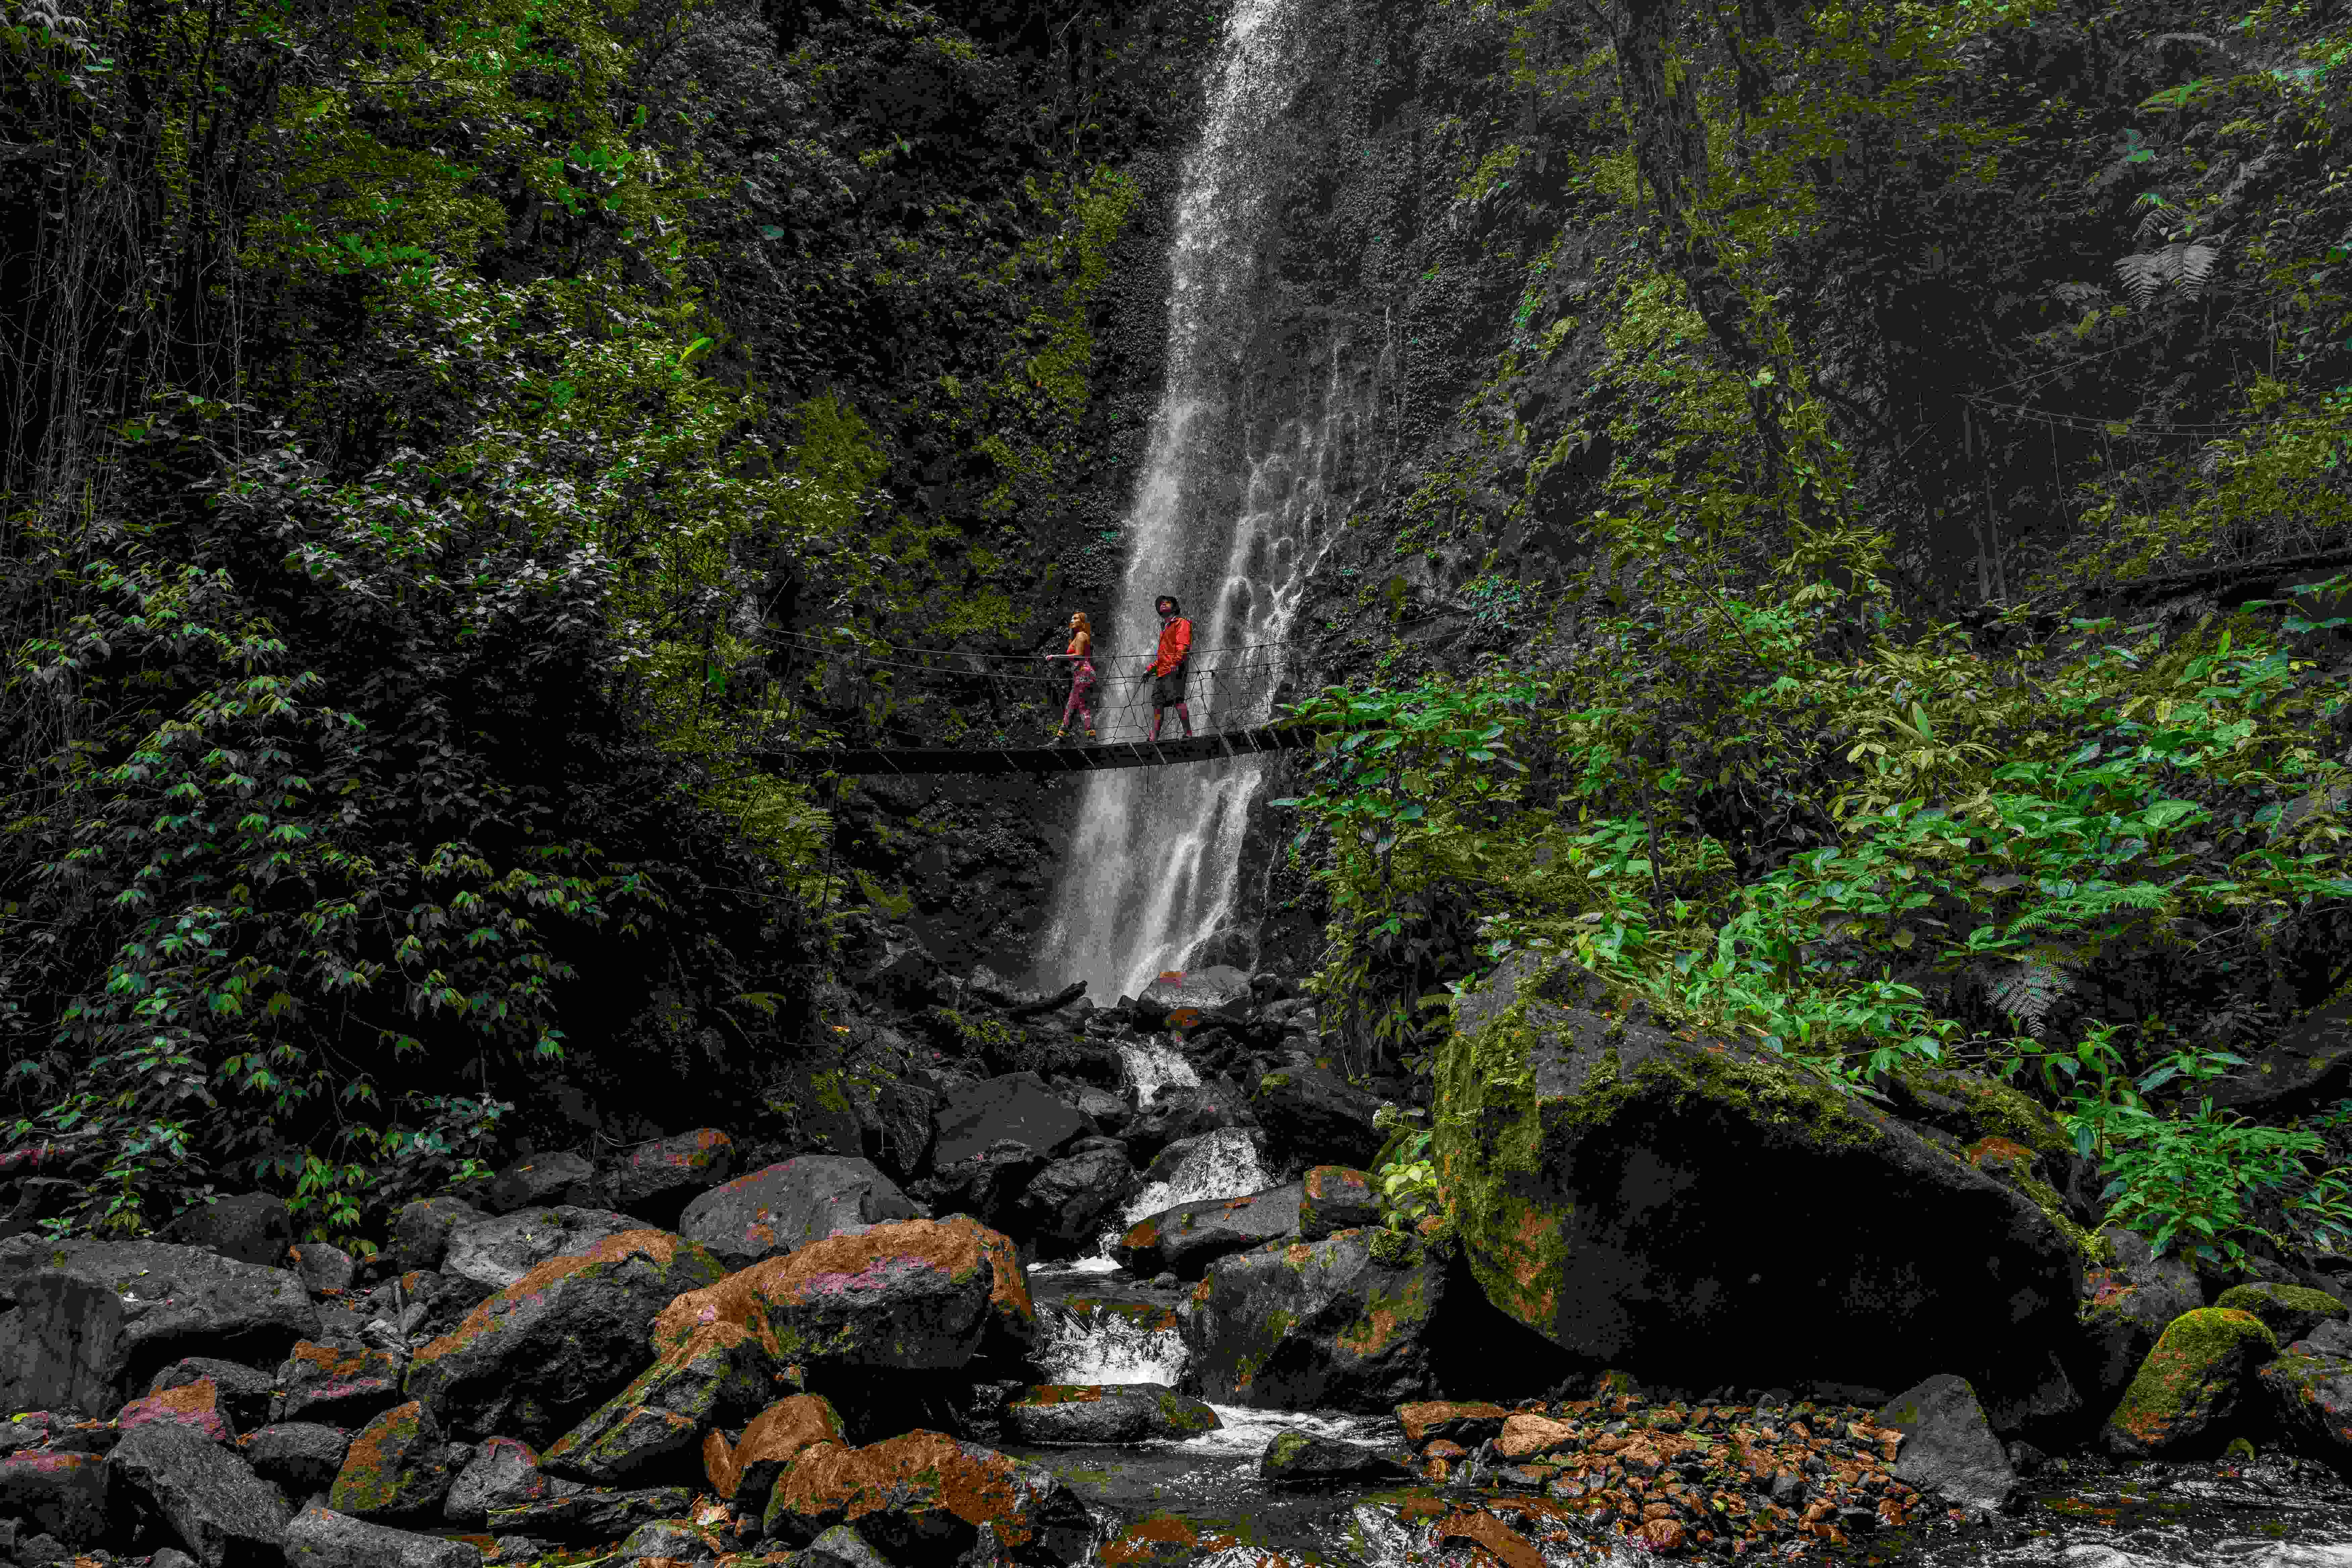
(1077, 1294)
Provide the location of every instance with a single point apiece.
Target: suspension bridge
(944, 710)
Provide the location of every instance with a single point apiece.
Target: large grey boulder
(543, 1181)
(1341, 1323)
(1189, 1238)
(62, 1496)
(787, 1205)
(94, 1321)
(421, 1230)
(1948, 1446)
(1646, 1196)
(551, 1347)
(656, 1181)
(498, 1251)
(1014, 1108)
(218, 1508)
(252, 1227)
(321, 1538)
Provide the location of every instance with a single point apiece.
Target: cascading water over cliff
(1250, 455)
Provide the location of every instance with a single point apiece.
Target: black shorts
(1167, 690)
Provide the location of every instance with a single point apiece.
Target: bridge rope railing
(834, 693)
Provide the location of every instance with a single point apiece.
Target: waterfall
(1249, 457)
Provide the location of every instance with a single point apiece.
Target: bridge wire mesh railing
(824, 693)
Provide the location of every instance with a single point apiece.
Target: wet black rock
(252, 1227)
(1087, 1414)
(1066, 1206)
(1948, 1449)
(1188, 1238)
(549, 1181)
(1312, 1114)
(1296, 1458)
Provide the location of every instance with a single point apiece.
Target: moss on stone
(1185, 1416)
(1395, 1249)
(1999, 1110)
(1493, 1125)
(2011, 1162)
(2191, 1374)
(2289, 1311)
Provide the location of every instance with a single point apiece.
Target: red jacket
(1175, 645)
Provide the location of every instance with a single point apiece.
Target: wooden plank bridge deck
(1040, 759)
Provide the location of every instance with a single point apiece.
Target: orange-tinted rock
(719, 1463)
(1462, 1422)
(1509, 1548)
(533, 1359)
(1163, 1538)
(335, 1387)
(398, 1467)
(915, 1295)
(1527, 1437)
(1666, 1537)
(923, 1497)
(195, 1405)
(777, 1436)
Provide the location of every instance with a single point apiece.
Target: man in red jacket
(1167, 665)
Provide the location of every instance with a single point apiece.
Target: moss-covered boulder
(1645, 1195)
(2307, 1392)
(1333, 1198)
(2131, 1296)
(2190, 1384)
(2289, 1311)
(533, 1359)
(1296, 1458)
(923, 1497)
(1083, 1414)
(1341, 1323)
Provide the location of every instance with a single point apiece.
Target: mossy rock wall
(1650, 1198)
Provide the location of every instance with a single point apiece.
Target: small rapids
(1152, 1067)
(1223, 1164)
(1103, 1341)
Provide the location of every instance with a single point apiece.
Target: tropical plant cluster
(440, 442)
(1855, 717)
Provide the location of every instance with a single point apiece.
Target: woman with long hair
(1080, 653)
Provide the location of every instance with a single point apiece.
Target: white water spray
(1151, 1066)
(1247, 461)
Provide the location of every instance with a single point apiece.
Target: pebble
(1715, 1480)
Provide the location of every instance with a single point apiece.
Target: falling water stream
(1250, 453)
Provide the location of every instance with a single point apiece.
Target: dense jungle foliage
(418, 420)
(437, 437)
(1955, 667)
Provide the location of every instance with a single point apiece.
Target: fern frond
(2030, 990)
(2185, 262)
(2141, 274)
